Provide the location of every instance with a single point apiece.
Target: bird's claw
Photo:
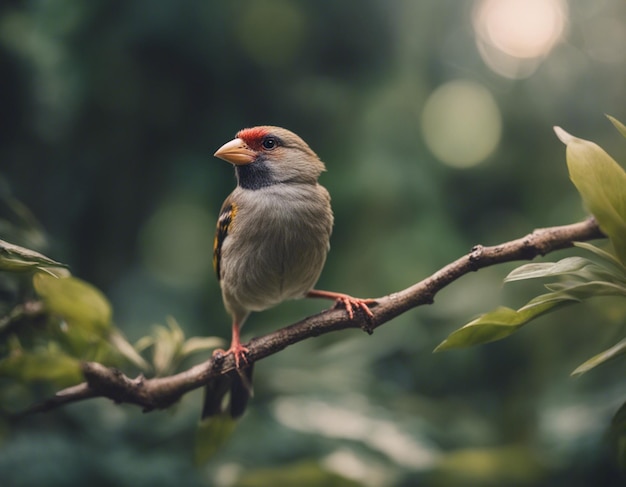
(239, 353)
(350, 304)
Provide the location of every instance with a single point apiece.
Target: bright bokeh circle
(461, 123)
(513, 36)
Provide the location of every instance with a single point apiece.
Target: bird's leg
(349, 302)
(236, 348)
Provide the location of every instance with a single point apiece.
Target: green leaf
(211, 435)
(42, 364)
(569, 265)
(200, 344)
(603, 254)
(614, 351)
(576, 268)
(169, 347)
(586, 290)
(538, 303)
(499, 323)
(79, 303)
(582, 279)
(15, 259)
(166, 346)
(602, 184)
(126, 350)
(618, 125)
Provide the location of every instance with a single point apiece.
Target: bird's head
(269, 155)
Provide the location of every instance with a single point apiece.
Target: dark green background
(110, 113)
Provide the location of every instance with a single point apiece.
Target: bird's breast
(278, 249)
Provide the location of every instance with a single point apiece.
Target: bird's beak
(236, 152)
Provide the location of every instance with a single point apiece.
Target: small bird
(271, 242)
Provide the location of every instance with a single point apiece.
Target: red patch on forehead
(253, 136)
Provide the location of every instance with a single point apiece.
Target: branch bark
(162, 392)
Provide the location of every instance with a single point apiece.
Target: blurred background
(434, 119)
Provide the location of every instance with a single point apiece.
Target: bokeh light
(461, 123)
(513, 36)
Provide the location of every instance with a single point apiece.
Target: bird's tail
(239, 383)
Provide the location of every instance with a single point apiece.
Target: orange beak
(236, 152)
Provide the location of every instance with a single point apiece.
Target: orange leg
(348, 302)
(236, 348)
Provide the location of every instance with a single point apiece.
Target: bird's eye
(269, 143)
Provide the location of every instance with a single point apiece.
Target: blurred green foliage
(110, 113)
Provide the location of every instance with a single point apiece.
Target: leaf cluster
(601, 183)
(61, 321)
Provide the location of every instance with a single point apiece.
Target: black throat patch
(255, 175)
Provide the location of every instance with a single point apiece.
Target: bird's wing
(224, 222)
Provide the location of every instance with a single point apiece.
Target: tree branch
(162, 392)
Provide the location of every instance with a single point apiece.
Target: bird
(271, 242)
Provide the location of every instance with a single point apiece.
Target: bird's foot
(240, 353)
(350, 303)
